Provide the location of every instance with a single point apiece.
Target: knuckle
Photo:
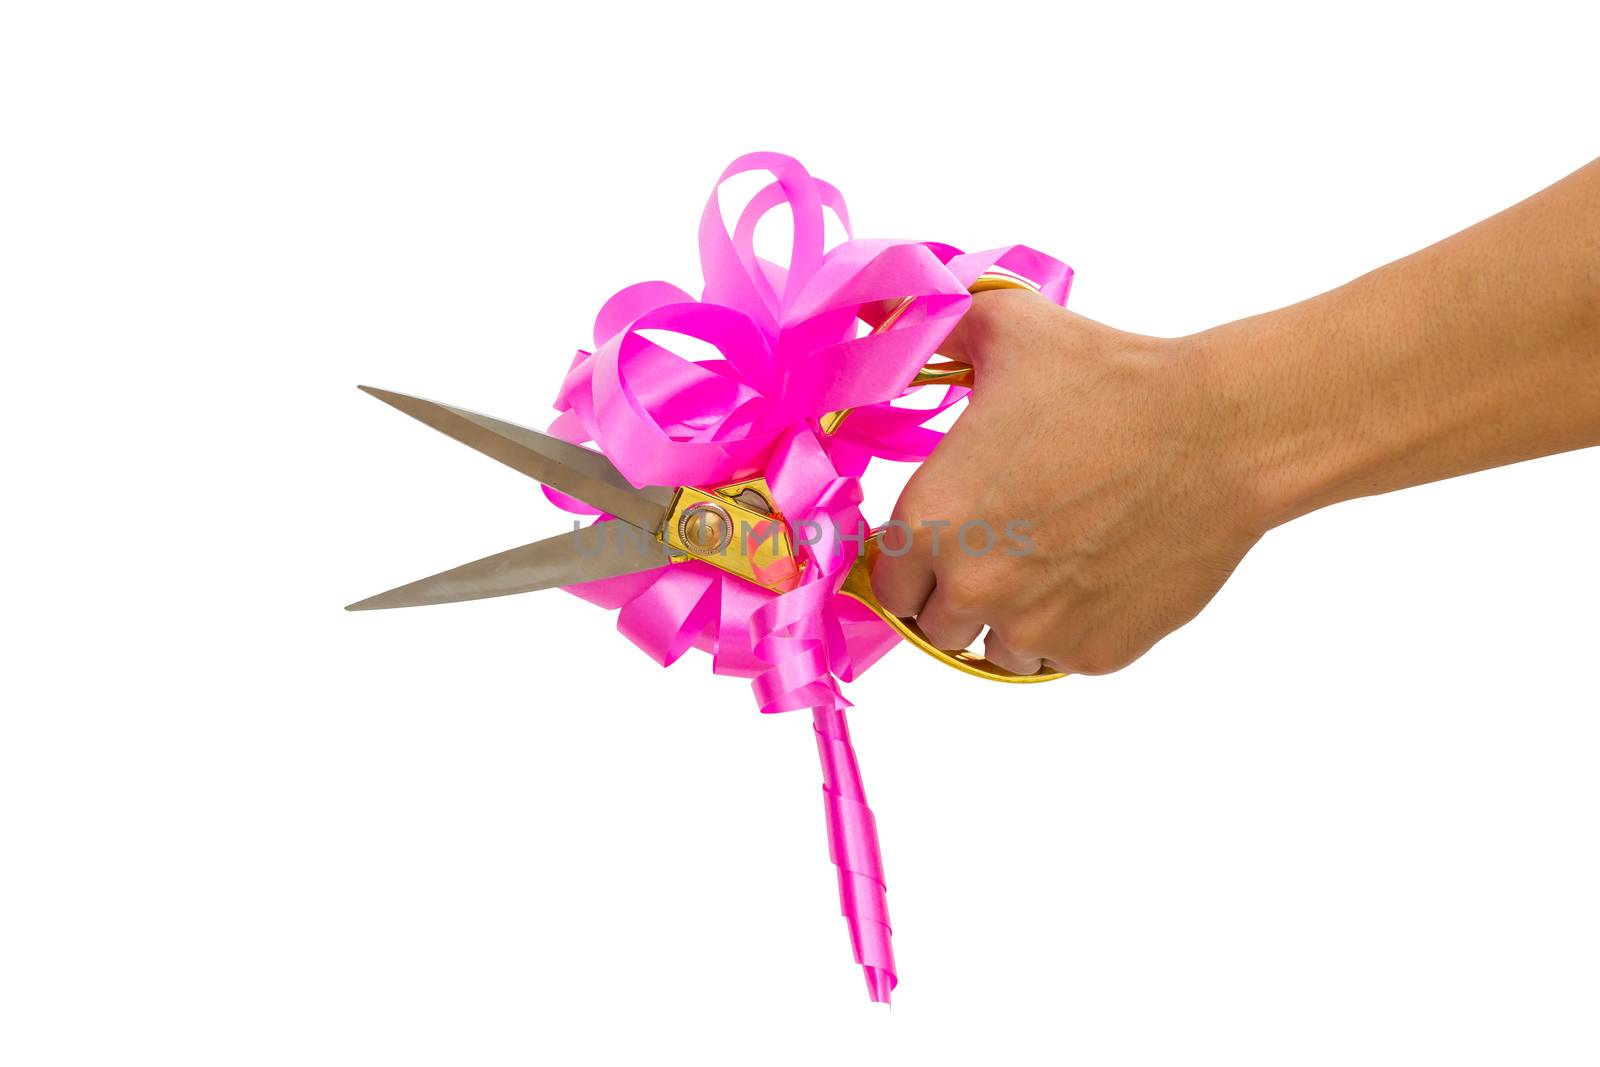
(895, 583)
(895, 605)
(1001, 655)
(961, 595)
(896, 602)
(945, 629)
(1026, 638)
(942, 635)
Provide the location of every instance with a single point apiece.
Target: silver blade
(605, 550)
(563, 466)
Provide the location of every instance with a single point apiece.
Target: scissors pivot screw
(705, 529)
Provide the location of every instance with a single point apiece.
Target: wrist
(1266, 424)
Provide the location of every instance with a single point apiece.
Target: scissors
(735, 527)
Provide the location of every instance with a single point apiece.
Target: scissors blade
(563, 466)
(607, 549)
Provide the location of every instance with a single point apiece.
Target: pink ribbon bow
(790, 347)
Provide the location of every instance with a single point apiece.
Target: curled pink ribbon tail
(853, 846)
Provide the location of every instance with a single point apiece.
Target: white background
(1347, 816)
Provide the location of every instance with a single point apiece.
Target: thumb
(994, 320)
(880, 312)
(974, 332)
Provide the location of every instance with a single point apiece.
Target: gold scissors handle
(858, 582)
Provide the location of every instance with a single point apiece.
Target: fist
(1083, 506)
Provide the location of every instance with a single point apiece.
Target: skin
(1168, 458)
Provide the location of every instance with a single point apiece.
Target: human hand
(1100, 445)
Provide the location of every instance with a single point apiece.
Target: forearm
(1481, 350)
